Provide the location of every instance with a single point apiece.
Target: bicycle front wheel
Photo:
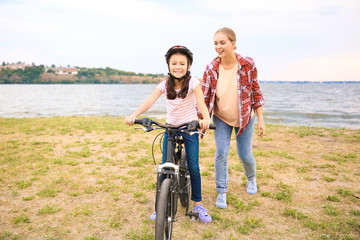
(163, 227)
(184, 181)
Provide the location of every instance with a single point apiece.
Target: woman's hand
(204, 123)
(261, 129)
(261, 124)
(130, 120)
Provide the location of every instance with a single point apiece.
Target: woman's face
(223, 46)
(178, 65)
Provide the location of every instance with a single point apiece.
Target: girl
(238, 97)
(182, 92)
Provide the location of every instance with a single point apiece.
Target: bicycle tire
(184, 182)
(163, 227)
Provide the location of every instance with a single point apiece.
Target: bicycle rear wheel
(184, 181)
(164, 223)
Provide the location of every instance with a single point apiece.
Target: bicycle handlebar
(146, 122)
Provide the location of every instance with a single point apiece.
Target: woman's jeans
(192, 154)
(244, 149)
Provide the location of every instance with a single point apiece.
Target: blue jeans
(244, 149)
(192, 154)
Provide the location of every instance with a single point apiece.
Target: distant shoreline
(20, 73)
(109, 83)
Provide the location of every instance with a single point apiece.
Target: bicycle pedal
(193, 216)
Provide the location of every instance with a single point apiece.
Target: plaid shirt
(249, 94)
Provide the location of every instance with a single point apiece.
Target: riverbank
(93, 178)
(30, 74)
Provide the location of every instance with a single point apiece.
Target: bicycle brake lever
(192, 133)
(186, 131)
(143, 128)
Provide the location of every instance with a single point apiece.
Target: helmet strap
(183, 77)
(179, 79)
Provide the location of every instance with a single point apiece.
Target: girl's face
(178, 65)
(223, 46)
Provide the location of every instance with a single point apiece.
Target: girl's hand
(130, 120)
(205, 123)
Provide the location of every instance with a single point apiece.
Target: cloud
(134, 35)
(121, 9)
(323, 68)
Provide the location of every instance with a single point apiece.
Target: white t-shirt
(181, 110)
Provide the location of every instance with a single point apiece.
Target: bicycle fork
(169, 170)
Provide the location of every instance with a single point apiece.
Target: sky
(290, 40)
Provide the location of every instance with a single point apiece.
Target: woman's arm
(261, 124)
(143, 107)
(205, 123)
(257, 98)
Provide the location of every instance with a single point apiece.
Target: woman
(237, 99)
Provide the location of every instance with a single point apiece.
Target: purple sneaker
(203, 216)
(153, 217)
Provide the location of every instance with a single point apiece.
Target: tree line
(28, 75)
(41, 75)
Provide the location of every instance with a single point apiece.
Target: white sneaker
(251, 187)
(221, 201)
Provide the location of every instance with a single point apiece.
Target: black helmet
(179, 49)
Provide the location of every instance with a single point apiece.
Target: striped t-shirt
(181, 110)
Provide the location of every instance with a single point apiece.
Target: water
(323, 105)
(326, 105)
(75, 100)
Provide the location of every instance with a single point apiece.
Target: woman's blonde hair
(227, 32)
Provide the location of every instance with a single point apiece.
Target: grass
(20, 219)
(285, 192)
(293, 213)
(49, 209)
(93, 178)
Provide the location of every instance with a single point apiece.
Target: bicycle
(173, 177)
